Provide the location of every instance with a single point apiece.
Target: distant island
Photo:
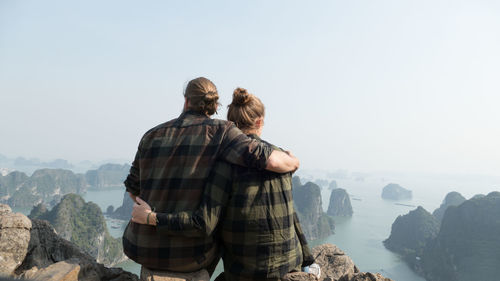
(340, 203)
(411, 232)
(107, 176)
(44, 186)
(464, 246)
(47, 186)
(307, 200)
(394, 191)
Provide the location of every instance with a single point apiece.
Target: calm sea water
(360, 236)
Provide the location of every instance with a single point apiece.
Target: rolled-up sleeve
(132, 182)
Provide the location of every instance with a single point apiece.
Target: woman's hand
(141, 211)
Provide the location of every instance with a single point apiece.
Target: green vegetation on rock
(83, 224)
(43, 186)
(468, 244)
(411, 232)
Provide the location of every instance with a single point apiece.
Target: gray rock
(307, 200)
(124, 212)
(32, 249)
(46, 248)
(5, 209)
(14, 238)
(364, 276)
(340, 203)
(335, 266)
(334, 263)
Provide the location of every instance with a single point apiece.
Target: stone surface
(299, 276)
(14, 238)
(5, 209)
(335, 266)
(60, 271)
(364, 276)
(334, 263)
(156, 275)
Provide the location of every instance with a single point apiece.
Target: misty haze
(392, 108)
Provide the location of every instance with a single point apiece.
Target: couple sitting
(205, 187)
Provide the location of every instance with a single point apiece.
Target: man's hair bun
(241, 97)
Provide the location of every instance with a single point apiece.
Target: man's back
(169, 172)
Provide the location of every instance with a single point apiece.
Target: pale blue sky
(361, 85)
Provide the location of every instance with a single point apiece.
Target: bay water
(361, 235)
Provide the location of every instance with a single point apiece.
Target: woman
(261, 235)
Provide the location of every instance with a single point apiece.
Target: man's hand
(141, 211)
(282, 162)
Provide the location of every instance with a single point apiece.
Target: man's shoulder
(161, 126)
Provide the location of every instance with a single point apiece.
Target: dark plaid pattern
(170, 171)
(261, 234)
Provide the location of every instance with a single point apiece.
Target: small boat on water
(406, 205)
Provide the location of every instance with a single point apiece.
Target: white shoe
(315, 270)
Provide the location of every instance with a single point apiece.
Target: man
(170, 170)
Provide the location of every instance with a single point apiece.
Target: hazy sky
(360, 85)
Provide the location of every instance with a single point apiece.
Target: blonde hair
(245, 109)
(202, 96)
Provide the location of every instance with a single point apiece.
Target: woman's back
(258, 231)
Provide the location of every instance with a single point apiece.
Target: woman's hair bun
(241, 97)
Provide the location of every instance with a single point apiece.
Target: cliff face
(108, 175)
(83, 224)
(451, 199)
(394, 191)
(340, 203)
(411, 233)
(125, 210)
(44, 186)
(315, 223)
(468, 244)
(32, 248)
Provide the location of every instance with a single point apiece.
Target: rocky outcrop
(83, 224)
(335, 266)
(307, 199)
(32, 249)
(125, 210)
(394, 191)
(468, 244)
(340, 203)
(451, 199)
(411, 233)
(14, 238)
(107, 176)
